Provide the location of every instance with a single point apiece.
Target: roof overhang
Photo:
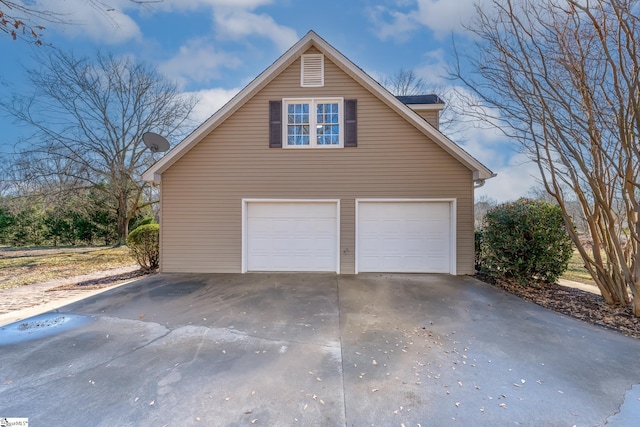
(311, 39)
(426, 107)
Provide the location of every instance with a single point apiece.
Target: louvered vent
(312, 73)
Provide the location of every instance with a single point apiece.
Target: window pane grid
(298, 124)
(327, 128)
(304, 128)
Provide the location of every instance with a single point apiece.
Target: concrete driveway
(315, 349)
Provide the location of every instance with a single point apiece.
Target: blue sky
(215, 47)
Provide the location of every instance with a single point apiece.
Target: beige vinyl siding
(202, 192)
(431, 116)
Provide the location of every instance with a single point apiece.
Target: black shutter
(350, 122)
(275, 124)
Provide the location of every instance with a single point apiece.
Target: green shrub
(137, 221)
(478, 250)
(144, 245)
(525, 241)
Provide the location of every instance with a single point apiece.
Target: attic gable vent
(312, 72)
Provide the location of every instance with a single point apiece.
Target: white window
(315, 122)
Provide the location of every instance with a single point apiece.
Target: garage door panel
(291, 236)
(404, 237)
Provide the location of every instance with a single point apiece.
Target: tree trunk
(123, 221)
(635, 306)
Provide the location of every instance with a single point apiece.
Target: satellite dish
(156, 143)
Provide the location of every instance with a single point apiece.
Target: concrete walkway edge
(25, 313)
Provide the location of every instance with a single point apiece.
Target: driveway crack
(626, 399)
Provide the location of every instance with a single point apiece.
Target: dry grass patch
(21, 267)
(576, 271)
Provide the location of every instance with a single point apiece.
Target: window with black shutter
(275, 124)
(313, 123)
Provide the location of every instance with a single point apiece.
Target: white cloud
(171, 5)
(198, 61)
(433, 68)
(235, 23)
(514, 180)
(106, 24)
(441, 16)
(109, 21)
(210, 101)
(392, 24)
(482, 138)
(445, 16)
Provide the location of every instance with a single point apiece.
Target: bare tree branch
(89, 116)
(20, 20)
(564, 77)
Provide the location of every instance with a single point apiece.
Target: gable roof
(311, 39)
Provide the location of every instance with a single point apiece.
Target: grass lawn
(25, 266)
(576, 271)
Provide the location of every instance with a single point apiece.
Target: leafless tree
(405, 82)
(24, 20)
(89, 116)
(564, 76)
(482, 205)
(572, 206)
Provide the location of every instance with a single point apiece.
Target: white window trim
(453, 249)
(312, 121)
(245, 226)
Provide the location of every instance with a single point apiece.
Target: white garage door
(409, 237)
(292, 236)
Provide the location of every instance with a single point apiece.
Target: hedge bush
(526, 241)
(144, 244)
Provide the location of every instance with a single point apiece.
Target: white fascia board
(230, 107)
(426, 107)
(404, 110)
(312, 39)
(151, 177)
